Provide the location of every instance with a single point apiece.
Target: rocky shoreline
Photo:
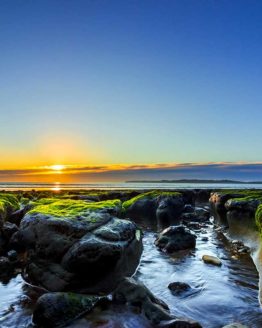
(81, 248)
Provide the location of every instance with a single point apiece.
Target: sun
(57, 167)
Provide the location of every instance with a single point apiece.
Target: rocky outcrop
(175, 238)
(77, 246)
(236, 210)
(158, 208)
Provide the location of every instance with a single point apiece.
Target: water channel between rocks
(219, 295)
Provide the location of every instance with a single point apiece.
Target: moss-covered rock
(68, 208)
(236, 208)
(157, 208)
(78, 246)
(150, 195)
(8, 204)
(259, 218)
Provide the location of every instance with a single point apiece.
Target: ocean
(124, 186)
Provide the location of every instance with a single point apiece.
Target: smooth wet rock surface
(175, 238)
(209, 259)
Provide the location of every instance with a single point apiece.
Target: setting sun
(57, 167)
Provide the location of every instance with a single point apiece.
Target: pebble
(211, 260)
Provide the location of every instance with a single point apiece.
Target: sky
(130, 86)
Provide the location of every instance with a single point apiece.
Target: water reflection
(220, 295)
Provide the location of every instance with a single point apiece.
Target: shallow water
(220, 295)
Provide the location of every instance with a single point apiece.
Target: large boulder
(175, 238)
(77, 246)
(159, 208)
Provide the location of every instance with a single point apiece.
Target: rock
(8, 230)
(235, 325)
(217, 204)
(211, 260)
(178, 288)
(6, 266)
(160, 208)
(244, 250)
(236, 209)
(81, 248)
(8, 205)
(188, 209)
(18, 215)
(12, 256)
(168, 211)
(202, 213)
(179, 323)
(175, 238)
(58, 309)
(204, 238)
(135, 293)
(202, 195)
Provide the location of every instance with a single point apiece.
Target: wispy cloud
(122, 172)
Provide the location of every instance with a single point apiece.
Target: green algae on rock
(259, 218)
(150, 194)
(68, 208)
(77, 245)
(8, 204)
(157, 208)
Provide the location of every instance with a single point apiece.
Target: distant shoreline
(195, 181)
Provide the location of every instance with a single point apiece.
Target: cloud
(123, 172)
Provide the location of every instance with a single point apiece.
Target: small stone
(178, 287)
(211, 260)
(204, 238)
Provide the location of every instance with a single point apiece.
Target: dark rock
(6, 266)
(135, 293)
(202, 195)
(217, 202)
(58, 309)
(168, 211)
(83, 254)
(18, 215)
(156, 208)
(12, 256)
(178, 288)
(188, 209)
(9, 229)
(175, 238)
(179, 323)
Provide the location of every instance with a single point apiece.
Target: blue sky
(110, 82)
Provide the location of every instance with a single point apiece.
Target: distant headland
(195, 181)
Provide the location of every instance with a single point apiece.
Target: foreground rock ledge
(77, 246)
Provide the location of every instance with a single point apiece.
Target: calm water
(123, 186)
(220, 294)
